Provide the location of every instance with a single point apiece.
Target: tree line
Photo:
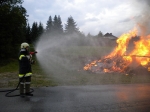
(15, 29)
(54, 27)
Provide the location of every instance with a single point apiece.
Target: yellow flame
(141, 51)
(106, 70)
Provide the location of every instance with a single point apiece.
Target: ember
(120, 60)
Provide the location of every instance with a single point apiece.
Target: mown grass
(9, 76)
(9, 66)
(84, 51)
(73, 74)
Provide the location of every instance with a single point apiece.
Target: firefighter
(25, 71)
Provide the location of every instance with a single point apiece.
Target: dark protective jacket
(24, 63)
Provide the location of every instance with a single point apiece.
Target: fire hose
(12, 90)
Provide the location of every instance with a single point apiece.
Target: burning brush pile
(122, 60)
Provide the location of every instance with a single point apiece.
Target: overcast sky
(91, 16)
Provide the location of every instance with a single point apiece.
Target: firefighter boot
(22, 90)
(27, 86)
(27, 89)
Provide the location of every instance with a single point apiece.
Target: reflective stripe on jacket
(26, 75)
(24, 66)
(21, 57)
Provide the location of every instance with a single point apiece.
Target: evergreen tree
(40, 29)
(49, 25)
(34, 32)
(28, 33)
(71, 26)
(55, 24)
(89, 35)
(100, 34)
(60, 26)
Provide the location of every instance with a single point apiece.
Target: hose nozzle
(33, 52)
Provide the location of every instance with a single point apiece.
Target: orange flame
(140, 53)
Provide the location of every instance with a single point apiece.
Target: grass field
(9, 76)
(71, 73)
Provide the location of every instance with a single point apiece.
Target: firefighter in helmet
(25, 71)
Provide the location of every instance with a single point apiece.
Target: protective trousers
(25, 82)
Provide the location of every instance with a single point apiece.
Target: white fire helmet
(24, 45)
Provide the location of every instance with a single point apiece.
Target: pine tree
(60, 26)
(34, 32)
(54, 27)
(40, 29)
(55, 24)
(89, 35)
(71, 26)
(100, 34)
(28, 34)
(49, 25)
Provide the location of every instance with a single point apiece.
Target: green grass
(75, 75)
(84, 51)
(11, 66)
(71, 74)
(9, 76)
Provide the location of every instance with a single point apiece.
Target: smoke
(56, 57)
(59, 55)
(142, 16)
(62, 57)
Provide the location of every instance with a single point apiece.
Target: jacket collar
(23, 50)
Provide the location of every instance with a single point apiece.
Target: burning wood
(119, 61)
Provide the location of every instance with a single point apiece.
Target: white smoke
(142, 16)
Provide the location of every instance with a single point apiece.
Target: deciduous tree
(12, 25)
